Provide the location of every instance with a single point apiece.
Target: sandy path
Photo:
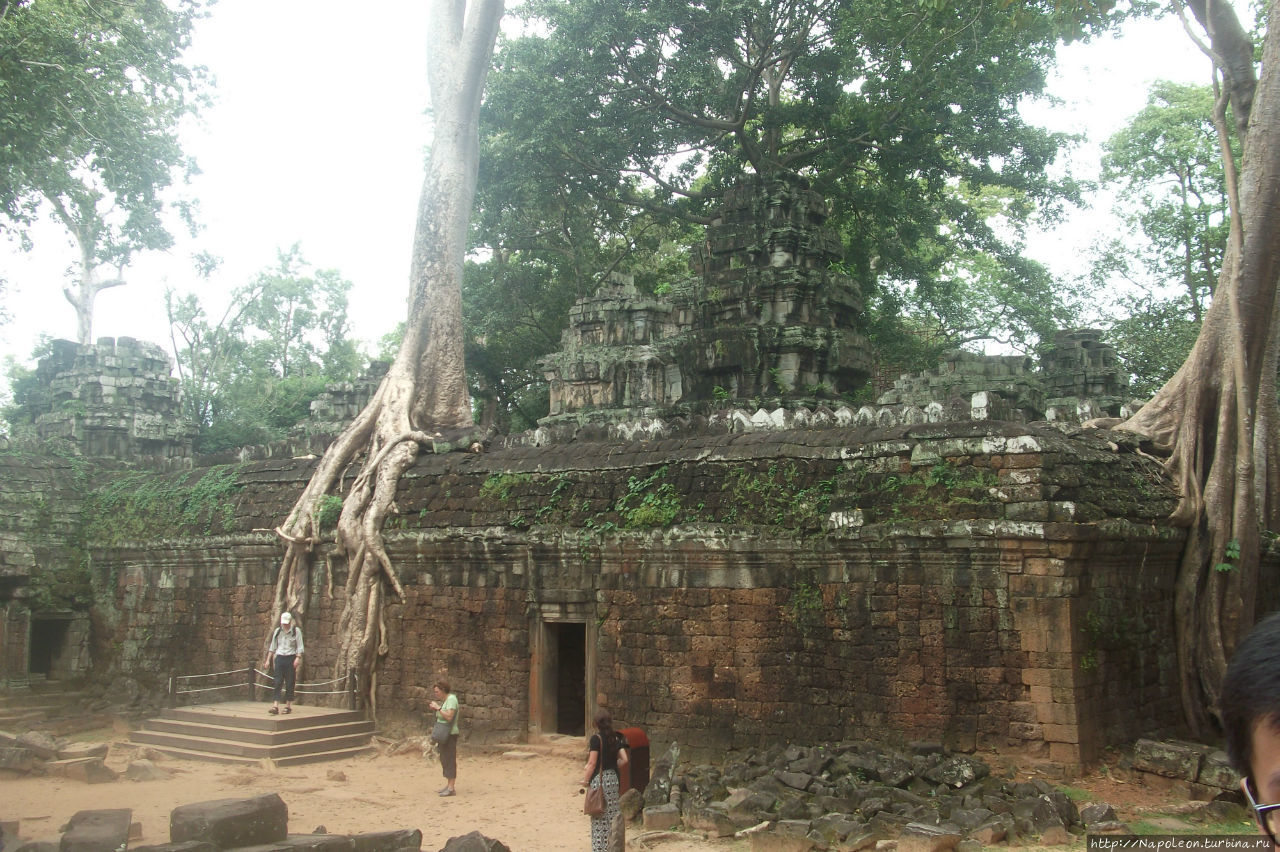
(530, 804)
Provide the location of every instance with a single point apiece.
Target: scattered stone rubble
(851, 796)
(256, 822)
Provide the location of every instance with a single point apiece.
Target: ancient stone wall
(40, 527)
(1002, 587)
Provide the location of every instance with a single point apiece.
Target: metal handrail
(255, 679)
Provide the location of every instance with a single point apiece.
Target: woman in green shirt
(446, 707)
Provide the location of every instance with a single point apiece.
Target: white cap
(285, 618)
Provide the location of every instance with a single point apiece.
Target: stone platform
(244, 732)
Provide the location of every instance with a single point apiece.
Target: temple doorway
(562, 676)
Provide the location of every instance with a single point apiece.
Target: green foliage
(1231, 556)
(147, 506)
(905, 116)
(1166, 169)
(28, 398)
(329, 511)
(648, 502)
(251, 374)
(804, 607)
(91, 99)
(1153, 339)
(91, 96)
(499, 485)
(776, 497)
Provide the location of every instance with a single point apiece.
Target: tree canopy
(905, 116)
(250, 374)
(91, 95)
(1166, 168)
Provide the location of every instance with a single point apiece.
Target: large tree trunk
(89, 285)
(425, 388)
(1218, 413)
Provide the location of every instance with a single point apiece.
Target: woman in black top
(607, 751)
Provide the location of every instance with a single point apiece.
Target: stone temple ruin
(770, 315)
(702, 536)
(771, 322)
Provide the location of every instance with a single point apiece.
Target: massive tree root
(425, 388)
(1217, 416)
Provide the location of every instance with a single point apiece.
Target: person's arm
(447, 710)
(590, 768)
(297, 658)
(271, 649)
(623, 760)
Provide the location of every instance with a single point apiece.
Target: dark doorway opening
(570, 677)
(48, 641)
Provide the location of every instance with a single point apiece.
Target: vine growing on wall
(143, 505)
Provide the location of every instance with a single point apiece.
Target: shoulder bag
(594, 803)
(443, 729)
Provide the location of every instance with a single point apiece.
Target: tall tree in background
(904, 115)
(1217, 415)
(91, 95)
(1167, 170)
(425, 388)
(251, 374)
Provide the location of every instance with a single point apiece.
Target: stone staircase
(243, 732)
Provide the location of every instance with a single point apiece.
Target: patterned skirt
(600, 825)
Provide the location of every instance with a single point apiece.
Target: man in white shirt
(285, 653)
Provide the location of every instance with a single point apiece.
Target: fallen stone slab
(1170, 759)
(768, 841)
(105, 830)
(923, 837)
(660, 817)
(185, 846)
(228, 823)
(474, 842)
(305, 843)
(73, 751)
(90, 770)
(387, 841)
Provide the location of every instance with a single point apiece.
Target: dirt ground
(527, 799)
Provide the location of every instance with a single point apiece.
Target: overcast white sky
(318, 136)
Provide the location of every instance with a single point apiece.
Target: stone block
(72, 751)
(661, 817)
(104, 830)
(145, 770)
(1170, 759)
(16, 759)
(768, 841)
(230, 823)
(42, 745)
(1216, 771)
(90, 770)
(474, 842)
(924, 837)
(713, 821)
(387, 841)
(313, 843)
